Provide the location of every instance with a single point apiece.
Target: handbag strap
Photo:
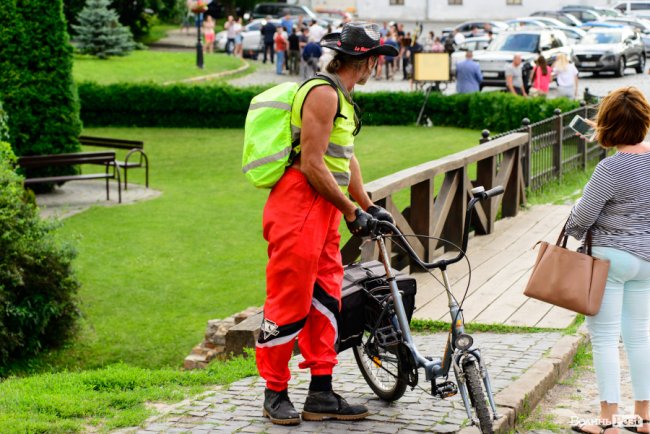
(563, 238)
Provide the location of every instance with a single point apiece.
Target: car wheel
(641, 66)
(620, 69)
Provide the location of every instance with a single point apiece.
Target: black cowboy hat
(358, 39)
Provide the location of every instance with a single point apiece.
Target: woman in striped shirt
(616, 205)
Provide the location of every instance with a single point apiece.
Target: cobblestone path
(239, 408)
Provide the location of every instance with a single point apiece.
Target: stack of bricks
(214, 344)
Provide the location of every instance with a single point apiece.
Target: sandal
(635, 428)
(579, 428)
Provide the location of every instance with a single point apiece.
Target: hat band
(357, 48)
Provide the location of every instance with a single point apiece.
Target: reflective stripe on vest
(340, 148)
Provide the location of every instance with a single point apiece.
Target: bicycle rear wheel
(477, 397)
(381, 369)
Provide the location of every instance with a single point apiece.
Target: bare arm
(318, 111)
(509, 85)
(356, 189)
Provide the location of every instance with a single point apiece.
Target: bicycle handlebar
(478, 193)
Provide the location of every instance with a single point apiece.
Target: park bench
(133, 146)
(104, 158)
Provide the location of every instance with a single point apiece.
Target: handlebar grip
(494, 191)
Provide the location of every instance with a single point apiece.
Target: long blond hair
(561, 62)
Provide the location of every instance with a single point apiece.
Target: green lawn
(154, 272)
(149, 65)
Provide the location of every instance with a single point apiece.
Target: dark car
(279, 10)
(529, 44)
(610, 49)
(564, 17)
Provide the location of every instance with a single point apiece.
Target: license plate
(589, 64)
(490, 74)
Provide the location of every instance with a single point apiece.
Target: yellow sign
(431, 67)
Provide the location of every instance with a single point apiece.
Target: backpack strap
(336, 88)
(331, 82)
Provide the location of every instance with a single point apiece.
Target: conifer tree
(99, 32)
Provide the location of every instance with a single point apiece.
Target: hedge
(38, 289)
(224, 106)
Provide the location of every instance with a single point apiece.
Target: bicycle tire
(478, 398)
(388, 386)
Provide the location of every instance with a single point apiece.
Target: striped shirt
(616, 202)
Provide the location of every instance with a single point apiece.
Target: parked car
(476, 44)
(528, 43)
(251, 37)
(573, 34)
(278, 10)
(549, 21)
(525, 23)
(640, 25)
(613, 49)
(567, 19)
(638, 8)
(466, 28)
(583, 14)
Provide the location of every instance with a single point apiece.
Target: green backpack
(268, 149)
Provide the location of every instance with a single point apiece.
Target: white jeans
(625, 311)
(568, 91)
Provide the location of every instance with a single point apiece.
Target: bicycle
(387, 356)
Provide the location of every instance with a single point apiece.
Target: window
(396, 2)
(455, 2)
(513, 2)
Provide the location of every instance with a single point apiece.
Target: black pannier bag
(364, 285)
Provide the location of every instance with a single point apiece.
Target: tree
(36, 85)
(99, 32)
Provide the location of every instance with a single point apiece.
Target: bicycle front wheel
(382, 369)
(477, 397)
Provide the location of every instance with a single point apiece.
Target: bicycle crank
(443, 390)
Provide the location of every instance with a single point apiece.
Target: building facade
(457, 10)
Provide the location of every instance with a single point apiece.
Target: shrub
(36, 84)
(224, 106)
(99, 32)
(37, 286)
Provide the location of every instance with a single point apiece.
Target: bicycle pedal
(387, 336)
(446, 389)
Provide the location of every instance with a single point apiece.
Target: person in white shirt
(566, 75)
(316, 32)
(459, 38)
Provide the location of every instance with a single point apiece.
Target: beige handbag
(572, 280)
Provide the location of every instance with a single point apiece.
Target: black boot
(278, 408)
(329, 405)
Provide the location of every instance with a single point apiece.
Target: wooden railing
(498, 162)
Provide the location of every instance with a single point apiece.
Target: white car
(252, 37)
(475, 44)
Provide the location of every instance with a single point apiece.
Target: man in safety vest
(300, 223)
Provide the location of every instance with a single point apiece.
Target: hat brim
(331, 40)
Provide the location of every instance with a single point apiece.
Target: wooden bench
(104, 158)
(133, 146)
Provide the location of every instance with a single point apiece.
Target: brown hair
(340, 59)
(623, 118)
(541, 62)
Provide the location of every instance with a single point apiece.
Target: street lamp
(198, 7)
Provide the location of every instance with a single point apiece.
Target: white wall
(440, 10)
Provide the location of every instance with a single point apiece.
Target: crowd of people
(294, 47)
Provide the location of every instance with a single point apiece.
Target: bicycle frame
(453, 357)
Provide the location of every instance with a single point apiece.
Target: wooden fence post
(527, 150)
(557, 149)
(421, 215)
(485, 137)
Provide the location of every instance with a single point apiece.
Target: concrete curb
(523, 395)
(211, 76)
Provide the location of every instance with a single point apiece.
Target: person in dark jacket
(268, 33)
